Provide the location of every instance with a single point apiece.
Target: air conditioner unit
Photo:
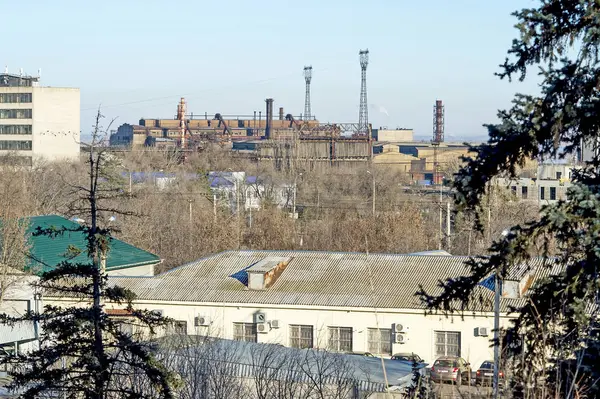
(397, 327)
(399, 339)
(481, 332)
(274, 323)
(261, 328)
(201, 321)
(260, 317)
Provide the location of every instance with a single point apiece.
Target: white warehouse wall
(420, 329)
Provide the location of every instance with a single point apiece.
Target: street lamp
(294, 198)
(373, 194)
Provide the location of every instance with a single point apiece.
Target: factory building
(38, 123)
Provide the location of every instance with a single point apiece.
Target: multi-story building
(38, 123)
(551, 183)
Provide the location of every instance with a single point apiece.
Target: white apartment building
(38, 123)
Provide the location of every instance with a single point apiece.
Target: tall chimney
(438, 122)
(269, 118)
(280, 113)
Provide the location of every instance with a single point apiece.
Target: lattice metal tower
(307, 79)
(363, 114)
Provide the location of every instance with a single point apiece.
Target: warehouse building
(38, 123)
(343, 302)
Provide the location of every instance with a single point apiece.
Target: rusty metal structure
(363, 113)
(438, 122)
(307, 79)
(438, 137)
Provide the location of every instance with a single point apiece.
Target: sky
(136, 58)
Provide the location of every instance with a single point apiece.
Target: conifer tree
(555, 332)
(83, 353)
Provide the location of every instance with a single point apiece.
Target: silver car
(450, 368)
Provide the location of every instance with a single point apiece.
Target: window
(380, 340)
(524, 192)
(447, 343)
(340, 339)
(13, 145)
(15, 114)
(542, 193)
(552, 193)
(15, 98)
(244, 332)
(513, 190)
(558, 175)
(178, 327)
(15, 129)
(301, 336)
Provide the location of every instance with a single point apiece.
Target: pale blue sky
(137, 57)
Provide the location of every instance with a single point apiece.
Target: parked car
(409, 357)
(485, 374)
(451, 368)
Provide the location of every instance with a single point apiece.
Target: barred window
(301, 336)
(15, 98)
(15, 129)
(13, 145)
(245, 332)
(15, 114)
(340, 339)
(447, 343)
(380, 340)
(177, 327)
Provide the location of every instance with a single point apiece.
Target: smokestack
(280, 113)
(269, 118)
(438, 122)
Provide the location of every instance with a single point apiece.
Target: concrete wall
(18, 299)
(395, 136)
(56, 123)
(420, 330)
(146, 271)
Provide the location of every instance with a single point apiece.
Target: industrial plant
(282, 138)
(292, 141)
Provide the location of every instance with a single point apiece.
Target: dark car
(485, 374)
(409, 357)
(451, 368)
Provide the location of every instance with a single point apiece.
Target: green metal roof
(47, 252)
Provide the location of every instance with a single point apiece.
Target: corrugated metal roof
(310, 278)
(47, 252)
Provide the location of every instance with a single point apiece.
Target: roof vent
(264, 273)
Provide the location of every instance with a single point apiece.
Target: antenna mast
(363, 115)
(307, 79)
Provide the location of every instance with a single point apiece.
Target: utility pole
(497, 292)
(448, 230)
(215, 206)
(373, 191)
(441, 217)
(294, 197)
(237, 211)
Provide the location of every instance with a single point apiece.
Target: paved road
(449, 391)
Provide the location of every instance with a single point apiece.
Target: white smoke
(379, 108)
